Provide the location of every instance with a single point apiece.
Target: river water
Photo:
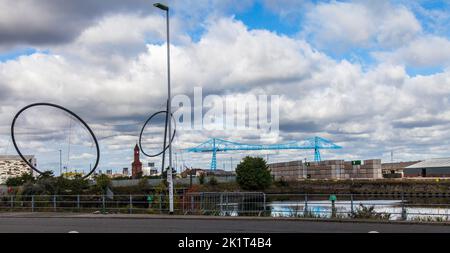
(323, 208)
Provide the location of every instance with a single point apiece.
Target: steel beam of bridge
(215, 145)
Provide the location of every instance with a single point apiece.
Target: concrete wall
(155, 182)
(332, 169)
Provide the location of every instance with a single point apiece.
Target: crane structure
(215, 145)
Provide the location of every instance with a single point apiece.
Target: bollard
(333, 205)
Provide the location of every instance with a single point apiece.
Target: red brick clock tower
(136, 166)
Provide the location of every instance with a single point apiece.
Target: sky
(372, 76)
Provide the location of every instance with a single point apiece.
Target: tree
(253, 174)
(46, 174)
(20, 180)
(102, 182)
(201, 178)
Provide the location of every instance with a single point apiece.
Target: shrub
(253, 174)
(363, 212)
(102, 182)
(201, 178)
(20, 180)
(213, 181)
(281, 183)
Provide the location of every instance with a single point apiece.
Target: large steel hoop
(142, 131)
(65, 110)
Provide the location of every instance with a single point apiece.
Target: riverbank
(422, 187)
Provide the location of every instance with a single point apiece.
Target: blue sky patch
(14, 54)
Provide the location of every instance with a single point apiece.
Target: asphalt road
(165, 225)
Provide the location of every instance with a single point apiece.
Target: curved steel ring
(63, 109)
(142, 131)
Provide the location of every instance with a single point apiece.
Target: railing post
(103, 204)
(160, 203)
(54, 203)
(12, 202)
(78, 202)
(32, 203)
(351, 202)
(131, 204)
(221, 203)
(305, 212)
(201, 201)
(264, 204)
(184, 201)
(404, 212)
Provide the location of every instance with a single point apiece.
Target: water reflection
(323, 209)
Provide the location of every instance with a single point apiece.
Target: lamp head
(161, 6)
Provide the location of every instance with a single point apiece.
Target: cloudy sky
(373, 76)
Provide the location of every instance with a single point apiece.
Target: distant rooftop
(397, 165)
(432, 163)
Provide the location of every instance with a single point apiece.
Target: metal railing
(399, 206)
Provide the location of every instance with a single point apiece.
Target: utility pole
(60, 162)
(169, 107)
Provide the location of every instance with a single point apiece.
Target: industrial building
(395, 169)
(332, 169)
(438, 167)
(14, 166)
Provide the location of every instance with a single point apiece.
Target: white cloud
(342, 25)
(427, 51)
(365, 110)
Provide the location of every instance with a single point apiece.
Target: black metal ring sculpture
(63, 109)
(142, 131)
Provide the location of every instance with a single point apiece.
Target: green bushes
(364, 212)
(253, 174)
(20, 180)
(430, 219)
(101, 183)
(201, 178)
(213, 181)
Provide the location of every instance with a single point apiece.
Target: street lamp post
(169, 109)
(60, 162)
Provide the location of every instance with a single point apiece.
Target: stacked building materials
(332, 169)
(289, 171)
